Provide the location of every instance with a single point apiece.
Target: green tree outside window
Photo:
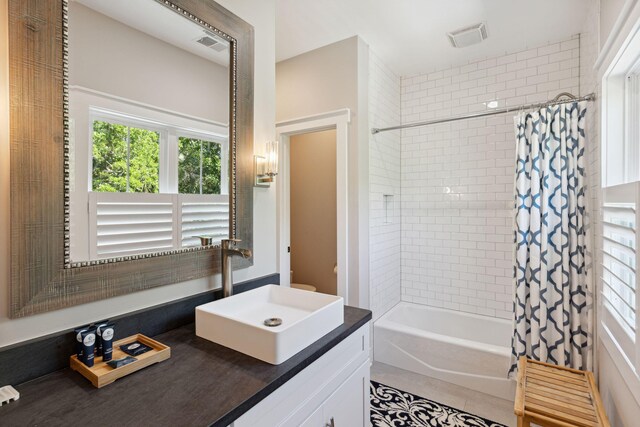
(198, 166)
(125, 159)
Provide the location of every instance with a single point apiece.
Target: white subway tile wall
(457, 178)
(384, 179)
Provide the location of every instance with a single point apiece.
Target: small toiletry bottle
(99, 327)
(108, 333)
(78, 332)
(88, 346)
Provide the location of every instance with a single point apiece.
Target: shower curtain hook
(568, 95)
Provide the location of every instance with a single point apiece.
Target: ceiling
(410, 35)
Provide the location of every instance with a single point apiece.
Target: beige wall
(315, 82)
(313, 209)
(328, 79)
(4, 168)
(262, 16)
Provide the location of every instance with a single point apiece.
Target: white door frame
(338, 120)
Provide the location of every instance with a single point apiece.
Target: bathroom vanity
(334, 390)
(204, 383)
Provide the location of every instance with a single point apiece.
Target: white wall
(111, 57)
(457, 178)
(384, 179)
(620, 405)
(608, 11)
(262, 16)
(329, 79)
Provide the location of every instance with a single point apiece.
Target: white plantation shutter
(619, 263)
(123, 224)
(203, 214)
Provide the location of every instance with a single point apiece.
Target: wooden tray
(101, 374)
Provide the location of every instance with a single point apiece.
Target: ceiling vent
(468, 36)
(213, 42)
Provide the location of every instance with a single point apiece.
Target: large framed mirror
(131, 138)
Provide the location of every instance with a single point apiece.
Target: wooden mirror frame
(43, 278)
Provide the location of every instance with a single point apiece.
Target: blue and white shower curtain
(552, 301)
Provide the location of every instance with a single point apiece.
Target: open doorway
(313, 213)
(335, 123)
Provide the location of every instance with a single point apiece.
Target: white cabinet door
(340, 378)
(315, 420)
(348, 406)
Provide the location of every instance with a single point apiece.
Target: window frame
(169, 147)
(620, 182)
(81, 150)
(631, 124)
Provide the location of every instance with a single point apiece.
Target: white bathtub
(465, 349)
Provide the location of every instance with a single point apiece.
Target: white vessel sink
(237, 322)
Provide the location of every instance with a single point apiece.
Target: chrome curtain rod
(557, 100)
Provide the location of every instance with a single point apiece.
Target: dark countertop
(203, 383)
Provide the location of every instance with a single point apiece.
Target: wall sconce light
(266, 167)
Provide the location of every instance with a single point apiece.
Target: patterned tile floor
(471, 401)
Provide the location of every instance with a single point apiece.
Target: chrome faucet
(227, 269)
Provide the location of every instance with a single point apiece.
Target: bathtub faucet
(227, 269)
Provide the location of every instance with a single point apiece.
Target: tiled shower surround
(457, 178)
(384, 190)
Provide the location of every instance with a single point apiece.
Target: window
(134, 155)
(154, 186)
(620, 166)
(125, 158)
(198, 166)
